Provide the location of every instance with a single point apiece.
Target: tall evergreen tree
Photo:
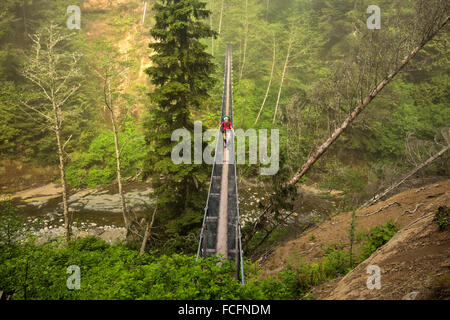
(181, 72)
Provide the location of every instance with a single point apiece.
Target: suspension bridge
(221, 229)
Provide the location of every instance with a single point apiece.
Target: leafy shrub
(117, 272)
(300, 278)
(10, 223)
(336, 263)
(442, 216)
(440, 287)
(98, 165)
(376, 237)
(89, 243)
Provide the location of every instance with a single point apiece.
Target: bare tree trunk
(145, 10)
(45, 69)
(24, 20)
(62, 169)
(283, 75)
(244, 110)
(220, 19)
(270, 81)
(67, 218)
(245, 40)
(147, 233)
(211, 26)
(378, 197)
(321, 150)
(119, 174)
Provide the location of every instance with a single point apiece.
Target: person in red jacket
(224, 126)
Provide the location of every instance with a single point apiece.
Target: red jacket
(226, 125)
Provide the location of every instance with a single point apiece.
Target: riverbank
(96, 211)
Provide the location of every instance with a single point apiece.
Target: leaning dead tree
(416, 150)
(147, 232)
(55, 74)
(434, 17)
(321, 150)
(380, 196)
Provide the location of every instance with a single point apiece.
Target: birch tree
(298, 44)
(112, 72)
(220, 17)
(270, 80)
(245, 40)
(283, 75)
(211, 8)
(53, 72)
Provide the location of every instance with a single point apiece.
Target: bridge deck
(221, 231)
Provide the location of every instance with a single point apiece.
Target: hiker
(224, 126)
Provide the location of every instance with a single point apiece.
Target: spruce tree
(181, 73)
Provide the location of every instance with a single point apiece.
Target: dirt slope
(414, 264)
(403, 208)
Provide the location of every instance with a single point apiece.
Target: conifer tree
(181, 72)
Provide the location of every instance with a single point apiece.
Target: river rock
(104, 202)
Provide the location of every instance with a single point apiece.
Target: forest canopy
(299, 66)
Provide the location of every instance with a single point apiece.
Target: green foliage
(336, 261)
(301, 277)
(11, 226)
(23, 133)
(181, 72)
(116, 272)
(440, 287)
(324, 34)
(442, 217)
(421, 109)
(343, 178)
(98, 165)
(351, 232)
(376, 237)
(312, 104)
(324, 31)
(122, 23)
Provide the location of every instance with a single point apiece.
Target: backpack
(226, 126)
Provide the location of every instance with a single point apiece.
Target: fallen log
(378, 197)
